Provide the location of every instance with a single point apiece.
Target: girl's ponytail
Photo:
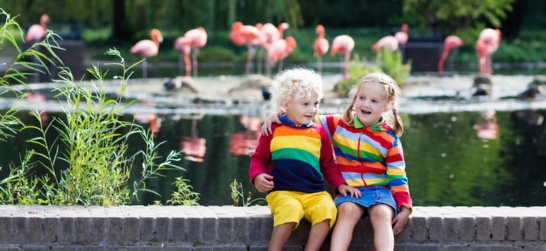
(398, 127)
(348, 116)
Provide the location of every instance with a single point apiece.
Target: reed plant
(87, 163)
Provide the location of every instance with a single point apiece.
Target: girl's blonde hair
(294, 84)
(392, 94)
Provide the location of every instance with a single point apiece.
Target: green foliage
(460, 15)
(386, 61)
(98, 169)
(184, 194)
(237, 192)
(92, 135)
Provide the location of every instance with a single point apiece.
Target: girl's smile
(370, 103)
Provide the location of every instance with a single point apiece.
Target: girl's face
(370, 103)
(302, 111)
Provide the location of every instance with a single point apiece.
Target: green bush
(386, 61)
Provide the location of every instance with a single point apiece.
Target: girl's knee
(381, 211)
(350, 209)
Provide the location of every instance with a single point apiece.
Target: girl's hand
(272, 118)
(400, 220)
(344, 190)
(263, 182)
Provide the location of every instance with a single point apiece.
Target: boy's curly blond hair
(294, 84)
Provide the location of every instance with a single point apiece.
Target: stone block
(163, 222)
(498, 230)
(416, 247)
(208, 221)
(180, 227)
(514, 228)
(451, 228)
(146, 223)
(256, 226)
(115, 226)
(542, 227)
(419, 228)
(83, 226)
(194, 223)
(454, 248)
(534, 248)
(99, 224)
(434, 226)
(50, 227)
(467, 229)
(131, 224)
(66, 226)
(35, 231)
(230, 248)
(406, 233)
(5, 231)
(483, 228)
(19, 228)
(530, 228)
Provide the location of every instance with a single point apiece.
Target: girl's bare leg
(348, 215)
(280, 235)
(317, 235)
(381, 217)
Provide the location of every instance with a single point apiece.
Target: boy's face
(302, 111)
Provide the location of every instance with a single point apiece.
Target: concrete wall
(239, 228)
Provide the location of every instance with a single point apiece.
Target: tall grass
(91, 146)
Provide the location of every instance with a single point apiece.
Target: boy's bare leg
(317, 235)
(280, 235)
(348, 215)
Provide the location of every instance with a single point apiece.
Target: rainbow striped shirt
(369, 156)
(298, 158)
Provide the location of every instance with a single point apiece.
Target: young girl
(369, 155)
(292, 163)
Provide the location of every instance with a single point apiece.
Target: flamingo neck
(321, 34)
(43, 24)
(154, 39)
(281, 29)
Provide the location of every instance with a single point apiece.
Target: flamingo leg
(347, 58)
(280, 65)
(319, 64)
(195, 53)
(341, 65)
(144, 70)
(260, 52)
(269, 64)
(489, 63)
(249, 59)
(187, 63)
(180, 68)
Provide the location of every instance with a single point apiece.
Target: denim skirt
(370, 196)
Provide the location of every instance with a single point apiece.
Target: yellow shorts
(289, 206)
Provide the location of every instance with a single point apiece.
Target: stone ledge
(249, 228)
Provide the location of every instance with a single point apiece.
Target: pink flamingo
(450, 43)
(36, 32)
(343, 45)
(280, 49)
(147, 48)
(270, 33)
(320, 46)
(402, 37)
(487, 44)
(234, 35)
(250, 36)
(194, 39)
(388, 42)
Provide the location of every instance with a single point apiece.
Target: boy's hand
(399, 221)
(344, 190)
(272, 118)
(263, 182)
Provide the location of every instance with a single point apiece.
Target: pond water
(456, 159)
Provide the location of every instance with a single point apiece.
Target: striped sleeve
(398, 180)
(329, 122)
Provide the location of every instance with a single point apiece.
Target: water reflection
(488, 129)
(449, 161)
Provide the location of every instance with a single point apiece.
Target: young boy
(290, 163)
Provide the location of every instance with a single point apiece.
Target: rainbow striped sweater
(369, 156)
(298, 158)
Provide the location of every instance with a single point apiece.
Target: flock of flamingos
(270, 39)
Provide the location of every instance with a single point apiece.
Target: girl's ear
(387, 108)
